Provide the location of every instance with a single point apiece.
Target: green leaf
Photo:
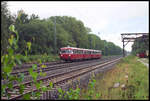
(39, 60)
(51, 84)
(37, 85)
(38, 94)
(34, 66)
(26, 52)
(20, 79)
(43, 66)
(3, 89)
(18, 61)
(6, 59)
(21, 88)
(34, 75)
(8, 95)
(97, 95)
(16, 46)
(12, 28)
(27, 97)
(2, 58)
(60, 90)
(30, 71)
(41, 82)
(15, 42)
(11, 40)
(94, 80)
(12, 78)
(18, 57)
(43, 74)
(10, 85)
(44, 88)
(76, 97)
(17, 36)
(7, 69)
(10, 51)
(29, 45)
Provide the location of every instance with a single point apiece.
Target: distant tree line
(40, 32)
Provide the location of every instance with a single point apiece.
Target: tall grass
(129, 72)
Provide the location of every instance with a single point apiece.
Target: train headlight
(69, 55)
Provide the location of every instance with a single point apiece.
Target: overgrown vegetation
(74, 93)
(9, 60)
(132, 77)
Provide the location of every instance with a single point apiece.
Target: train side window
(89, 52)
(75, 51)
(81, 51)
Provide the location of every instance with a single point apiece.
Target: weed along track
(61, 74)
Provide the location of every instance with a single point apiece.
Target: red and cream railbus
(73, 53)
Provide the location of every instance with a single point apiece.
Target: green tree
(6, 21)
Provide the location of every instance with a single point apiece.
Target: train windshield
(68, 51)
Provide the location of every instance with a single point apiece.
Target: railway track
(50, 66)
(52, 69)
(25, 67)
(60, 77)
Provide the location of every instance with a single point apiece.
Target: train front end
(66, 54)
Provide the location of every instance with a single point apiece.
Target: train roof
(80, 49)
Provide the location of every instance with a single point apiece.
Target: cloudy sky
(109, 19)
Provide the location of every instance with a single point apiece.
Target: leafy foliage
(6, 21)
(10, 60)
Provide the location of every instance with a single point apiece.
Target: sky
(106, 19)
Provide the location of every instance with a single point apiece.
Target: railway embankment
(128, 80)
